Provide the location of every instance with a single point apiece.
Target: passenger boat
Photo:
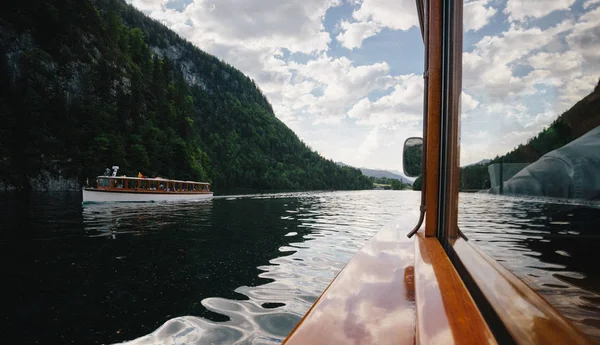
(432, 285)
(142, 189)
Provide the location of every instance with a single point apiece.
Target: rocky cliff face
(46, 181)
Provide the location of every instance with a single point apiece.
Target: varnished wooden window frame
(532, 320)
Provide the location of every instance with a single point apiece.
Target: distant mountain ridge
(481, 162)
(382, 173)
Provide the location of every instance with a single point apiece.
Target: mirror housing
(412, 156)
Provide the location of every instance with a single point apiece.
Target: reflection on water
(230, 270)
(245, 269)
(552, 244)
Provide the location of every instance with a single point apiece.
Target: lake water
(244, 269)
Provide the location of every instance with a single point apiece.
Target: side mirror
(412, 156)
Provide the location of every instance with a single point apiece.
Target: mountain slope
(481, 162)
(381, 173)
(90, 84)
(385, 173)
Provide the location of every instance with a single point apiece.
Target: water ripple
(334, 226)
(245, 269)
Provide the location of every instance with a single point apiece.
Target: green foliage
(474, 177)
(412, 157)
(397, 185)
(417, 183)
(90, 84)
(391, 182)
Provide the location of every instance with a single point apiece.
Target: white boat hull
(92, 195)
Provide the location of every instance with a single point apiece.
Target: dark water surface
(245, 269)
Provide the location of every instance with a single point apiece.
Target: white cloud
(521, 10)
(374, 147)
(556, 62)
(353, 34)
(589, 3)
(343, 84)
(477, 14)
(369, 145)
(585, 36)
(488, 69)
(148, 5)
(394, 14)
(297, 25)
(540, 120)
(374, 15)
(468, 103)
(402, 106)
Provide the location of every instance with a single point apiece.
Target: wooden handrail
(446, 313)
(395, 291)
(371, 301)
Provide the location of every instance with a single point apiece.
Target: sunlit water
(243, 270)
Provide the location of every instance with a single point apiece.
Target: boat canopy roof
(159, 179)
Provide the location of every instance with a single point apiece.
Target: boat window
(530, 149)
(177, 186)
(103, 182)
(118, 183)
(143, 184)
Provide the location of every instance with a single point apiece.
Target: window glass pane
(530, 147)
(131, 184)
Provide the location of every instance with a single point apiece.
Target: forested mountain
(572, 124)
(87, 84)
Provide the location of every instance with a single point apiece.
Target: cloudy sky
(346, 75)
